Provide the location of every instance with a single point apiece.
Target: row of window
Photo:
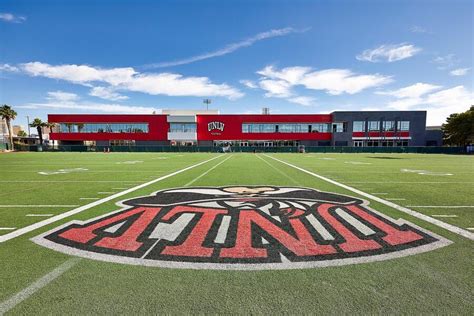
(286, 128)
(374, 126)
(183, 127)
(103, 128)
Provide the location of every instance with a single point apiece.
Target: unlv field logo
(251, 227)
(215, 127)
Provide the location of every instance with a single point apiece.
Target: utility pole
(207, 102)
(28, 120)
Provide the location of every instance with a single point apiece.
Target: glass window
(403, 125)
(103, 128)
(338, 127)
(358, 126)
(388, 125)
(374, 126)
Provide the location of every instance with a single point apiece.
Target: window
(388, 126)
(183, 127)
(339, 127)
(374, 126)
(286, 128)
(358, 126)
(403, 125)
(358, 143)
(122, 142)
(319, 128)
(103, 127)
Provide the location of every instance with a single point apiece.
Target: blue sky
(291, 56)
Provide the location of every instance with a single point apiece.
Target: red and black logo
(242, 227)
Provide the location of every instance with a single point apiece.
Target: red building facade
(366, 129)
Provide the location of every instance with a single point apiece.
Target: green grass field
(435, 282)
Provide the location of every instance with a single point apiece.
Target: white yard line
(7, 228)
(381, 193)
(395, 199)
(36, 286)
(442, 206)
(449, 227)
(82, 208)
(39, 215)
(28, 206)
(86, 198)
(443, 215)
(203, 174)
(68, 181)
(279, 171)
(470, 228)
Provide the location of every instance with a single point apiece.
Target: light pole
(207, 102)
(28, 120)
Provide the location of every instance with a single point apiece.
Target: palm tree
(39, 124)
(8, 114)
(50, 125)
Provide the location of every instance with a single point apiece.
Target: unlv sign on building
(251, 227)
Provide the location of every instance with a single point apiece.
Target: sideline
(431, 220)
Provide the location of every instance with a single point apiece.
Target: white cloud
(249, 84)
(332, 81)
(62, 96)
(439, 105)
(107, 94)
(276, 88)
(8, 68)
(229, 48)
(446, 62)
(11, 18)
(414, 91)
(418, 29)
(127, 79)
(389, 53)
(302, 100)
(72, 102)
(459, 72)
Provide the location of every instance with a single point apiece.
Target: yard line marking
(59, 217)
(7, 228)
(279, 171)
(203, 174)
(395, 199)
(442, 206)
(381, 193)
(45, 215)
(27, 206)
(442, 215)
(34, 287)
(431, 220)
(119, 188)
(88, 198)
(105, 192)
(470, 228)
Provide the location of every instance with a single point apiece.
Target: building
(209, 128)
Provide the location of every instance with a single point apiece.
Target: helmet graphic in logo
(242, 228)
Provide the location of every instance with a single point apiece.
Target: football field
(128, 233)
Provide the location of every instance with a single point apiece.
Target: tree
(459, 128)
(50, 126)
(21, 134)
(8, 114)
(39, 124)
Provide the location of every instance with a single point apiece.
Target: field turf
(436, 282)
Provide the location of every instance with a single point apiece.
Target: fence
(319, 149)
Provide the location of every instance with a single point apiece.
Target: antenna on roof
(207, 102)
(265, 111)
